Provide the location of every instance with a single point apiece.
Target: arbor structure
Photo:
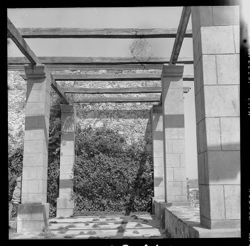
(216, 79)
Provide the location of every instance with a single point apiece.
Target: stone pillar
(216, 73)
(158, 161)
(174, 139)
(65, 204)
(33, 212)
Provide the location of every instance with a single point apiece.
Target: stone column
(33, 212)
(158, 153)
(174, 135)
(65, 204)
(216, 73)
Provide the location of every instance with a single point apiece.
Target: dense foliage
(109, 174)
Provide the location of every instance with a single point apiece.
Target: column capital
(172, 71)
(35, 72)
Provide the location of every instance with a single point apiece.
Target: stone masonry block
(37, 134)
(236, 32)
(67, 160)
(34, 197)
(157, 122)
(228, 69)
(66, 192)
(35, 160)
(173, 102)
(35, 108)
(174, 146)
(68, 123)
(172, 160)
(230, 133)
(174, 188)
(213, 133)
(213, 40)
(232, 201)
(170, 174)
(179, 174)
(222, 101)
(65, 108)
(217, 207)
(34, 186)
(158, 161)
(65, 203)
(35, 173)
(35, 146)
(225, 15)
(218, 162)
(209, 69)
(158, 148)
(66, 175)
(175, 133)
(67, 148)
(159, 171)
(38, 96)
(182, 160)
(32, 217)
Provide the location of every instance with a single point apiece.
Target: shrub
(109, 174)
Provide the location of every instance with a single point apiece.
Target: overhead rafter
(100, 33)
(127, 99)
(21, 43)
(112, 77)
(180, 34)
(129, 90)
(97, 60)
(59, 90)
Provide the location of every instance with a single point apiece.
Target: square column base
(32, 217)
(65, 207)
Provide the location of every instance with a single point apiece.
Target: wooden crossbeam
(107, 77)
(100, 33)
(129, 90)
(128, 99)
(113, 77)
(21, 43)
(180, 34)
(59, 91)
(97, 60)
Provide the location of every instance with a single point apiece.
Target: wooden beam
(127, 99)
(75, 67)
(59, 91)
(21, 43)
(129, 90)
(100, 33)
(112, 77)
(180, 34)
(107, 77)
(93, 61)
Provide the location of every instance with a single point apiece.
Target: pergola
(167, 115)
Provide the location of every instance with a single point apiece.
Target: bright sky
(135, 17)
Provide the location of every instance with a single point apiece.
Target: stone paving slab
(110, 226)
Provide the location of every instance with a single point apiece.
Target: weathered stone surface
(212, 130)
(232, 201)
(230, 133)
(218, 162)
(217, 207)
(221, 101)
(32, 217)
(236, 32)
(172, 160)
(213, 40)
(228, 69)
(209, 70)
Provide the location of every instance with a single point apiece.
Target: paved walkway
(109, 226)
